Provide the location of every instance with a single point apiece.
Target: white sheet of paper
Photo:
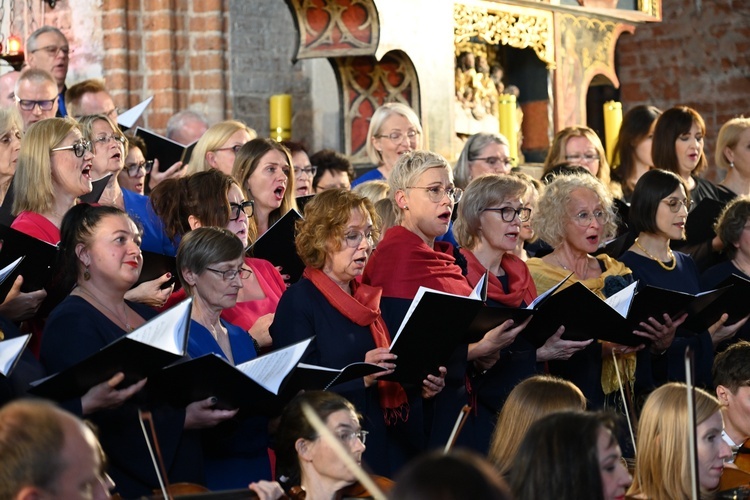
(270, 370)
(129, 117)
(166, 331)
(621, 300)
(10, 350)
(4, 272)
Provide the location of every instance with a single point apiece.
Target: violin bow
(325, 433)
(692, 445)
(161, 473)
(460, 421)
(627, 402)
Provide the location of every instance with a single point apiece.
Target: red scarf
(521, 286)
(363, 309)
(403, 262)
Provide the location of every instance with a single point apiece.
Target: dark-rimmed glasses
(436, 193)
(510, 213)
(236, 208)
(310, 171)
(79, 148)
(29, 104)
(675, 204)
(235, 149)
(232, 273)
(133, 168)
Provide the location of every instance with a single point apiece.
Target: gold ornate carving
(331, 29)
(650, 7)
(591, 37)
(505, 24)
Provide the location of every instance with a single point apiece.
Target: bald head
(48, 453)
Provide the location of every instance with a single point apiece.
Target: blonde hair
(32, 184)
(556, 155)
(215, 137)
(529, 401)
(409, 167)
(87, 129)
(662, 467)
(549, 219)
(729, 136)
(10, 119)
(374, 190)
(376, 124)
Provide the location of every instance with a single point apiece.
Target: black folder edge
(277, 246)
(38, 266)
(156, 265)
(123, 355)
(171, 151)
(6, 208)
(25, 342)
(731, 297)
(306, 376)
(210, 375)
(97, 188)
(422, 347)
(673, 303)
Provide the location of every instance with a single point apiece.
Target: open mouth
(279, 192)
(302, 191)
(512, 235)
(593, 239)
(445, 216)
(86, 171)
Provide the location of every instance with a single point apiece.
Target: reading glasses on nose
(232, 273)
(133, 168)
(510, 213)
(235, 209)
(30, 104)
(436, 193)
(79, 148)
(354, 238)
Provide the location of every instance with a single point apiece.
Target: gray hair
(178, 121)
(472, 149)
(31, 40)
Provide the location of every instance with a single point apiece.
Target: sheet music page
(4, 272)
(270, 370)
(621, 301)
(542, 296)
(168, 330)
(9, 351)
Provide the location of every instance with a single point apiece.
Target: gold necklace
(658, 261)
(127, 325)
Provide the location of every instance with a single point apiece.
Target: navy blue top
(75, 330)
(712, 278)
(235, 452)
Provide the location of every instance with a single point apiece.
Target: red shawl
(403, 262)
(520, 284)
(363, 309)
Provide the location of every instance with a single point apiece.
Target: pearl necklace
(658, 261)
(128, 327)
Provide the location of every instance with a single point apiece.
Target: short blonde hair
(376, 124)
(322, 229)
(409, 167)
(548, 222)
(32, 184)
(374, 190)
(214, 138)
(482, 192)
(556, 155)
(729, 136)
(662, 467)
(529, 401)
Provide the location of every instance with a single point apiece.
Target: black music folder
(10, 353)
(435, 324)
(140, 354)
(6, 208)
(277, 246)
(302, 201)
(167, 151)
(39, 264)
(320, 378)
(253, 386)
(699, 227)
(96, 190)
(156, 265)
(654, 302)
(735, 301)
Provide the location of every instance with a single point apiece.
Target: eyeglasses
(105, 139)
(397, 137)
(492, 161)
(29, 104)
(133, 168)
(587, 158)
(236, 208)
(112, 113)
(354, 238)
(232, 273)
(436, 193)
(79, 147)
(510, 213)
(53, 50)
(309, 171)
(676, 204)
(584, 219)
(348, 437)
(235, 149)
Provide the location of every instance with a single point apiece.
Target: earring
(86, 274)
(406, 207)
(731, 164)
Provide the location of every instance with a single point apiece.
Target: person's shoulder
(372, 175)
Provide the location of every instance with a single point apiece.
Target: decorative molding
(366, 84)
(498, 24)
(335, 29)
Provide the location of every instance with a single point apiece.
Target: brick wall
(699, 56)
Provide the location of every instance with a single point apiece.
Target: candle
(612, 122)
(506, 115)
(281, 117)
